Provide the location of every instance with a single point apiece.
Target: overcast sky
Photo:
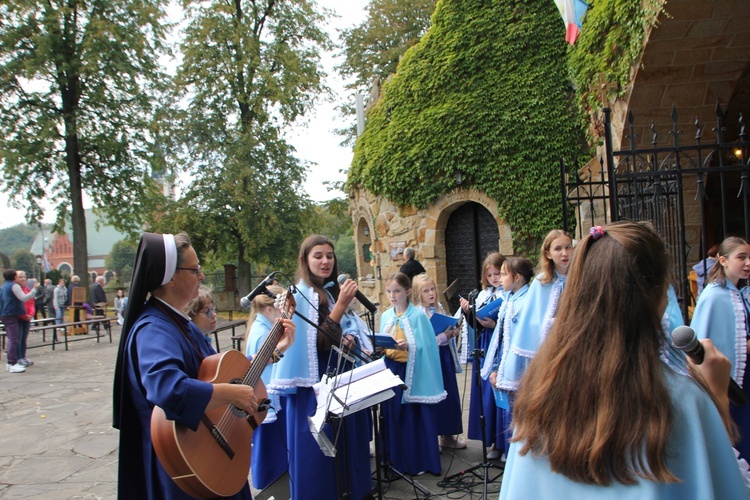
(315, 141)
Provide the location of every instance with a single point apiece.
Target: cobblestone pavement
(57, 441)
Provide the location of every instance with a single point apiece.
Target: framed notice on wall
(397, 250)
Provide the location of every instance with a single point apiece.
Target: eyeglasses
(210, 312)
(195, 270)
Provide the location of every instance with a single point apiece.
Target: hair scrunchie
(597, 232)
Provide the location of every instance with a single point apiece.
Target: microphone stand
(478, 353)
(338, 423)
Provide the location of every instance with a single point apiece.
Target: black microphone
(361, 298)
(247, 301)
(684, 339)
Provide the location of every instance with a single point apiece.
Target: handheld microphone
(246, 301)
(361, 298)
(685, 339)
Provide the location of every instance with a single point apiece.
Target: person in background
(598, 413)
(514, 278)
(99, 296)
(721, 315)
(449, 424)
(38, 301)
(49, 298)
(60, 300)
(12, 308)
(120, 303)
(202, 312)
(411, 267)
(703, 268)
(269, 460)
(24, 321)
(482, 401)
(411, 429)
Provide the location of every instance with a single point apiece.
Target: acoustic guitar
(214, 460)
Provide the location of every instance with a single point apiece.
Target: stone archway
(698, 55)
(396, 227)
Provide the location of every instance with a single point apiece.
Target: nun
(159, 356)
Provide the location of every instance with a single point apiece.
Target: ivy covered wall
(486, 93)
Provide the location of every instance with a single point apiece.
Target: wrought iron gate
(695, 195)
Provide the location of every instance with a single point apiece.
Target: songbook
(352, 391)
(441, 322)
(491, 310)
(385, 341)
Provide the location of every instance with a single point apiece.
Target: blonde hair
(419, 282)
(259, 303)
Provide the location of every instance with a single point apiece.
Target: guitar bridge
(218, 436)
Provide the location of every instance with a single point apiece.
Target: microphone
(246, 301)
(685, 339)
(361, 298)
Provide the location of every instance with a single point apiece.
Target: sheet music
(361, 388)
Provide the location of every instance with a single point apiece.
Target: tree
(373, 49)
(121, 259)
(18, 237)
(79, 87)
(249, 69)
(23, 260)
(485, 94)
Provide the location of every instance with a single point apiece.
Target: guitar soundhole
(239, 413)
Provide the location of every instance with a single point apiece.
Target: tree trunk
(244, 270)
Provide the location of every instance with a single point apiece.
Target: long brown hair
(594, 399)
(725, 249)
(546, 266)
(493, 259)
(303, 269)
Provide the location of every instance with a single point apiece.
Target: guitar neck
(264, 354)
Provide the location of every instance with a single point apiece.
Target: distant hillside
(18, 237)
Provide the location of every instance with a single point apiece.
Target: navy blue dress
(161, 368)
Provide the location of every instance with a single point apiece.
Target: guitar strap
(174, 318)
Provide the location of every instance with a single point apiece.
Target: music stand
(347, 393)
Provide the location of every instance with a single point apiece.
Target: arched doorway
(470, 234)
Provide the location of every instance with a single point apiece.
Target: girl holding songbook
(490, 298)
(449, 425)
(721, 315)
(410, 430)
(269, 455)
(600, 413)
(322, 301)
(514, 278)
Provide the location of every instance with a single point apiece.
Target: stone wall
(387, 228)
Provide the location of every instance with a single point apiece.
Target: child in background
(493, 418)
(269, 456)
(410, 417)
(598, 413)
(721, 315)
(538, 313)
(202, 312)
(514, 278)
(449, 424)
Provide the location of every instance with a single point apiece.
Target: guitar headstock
(286, 304)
